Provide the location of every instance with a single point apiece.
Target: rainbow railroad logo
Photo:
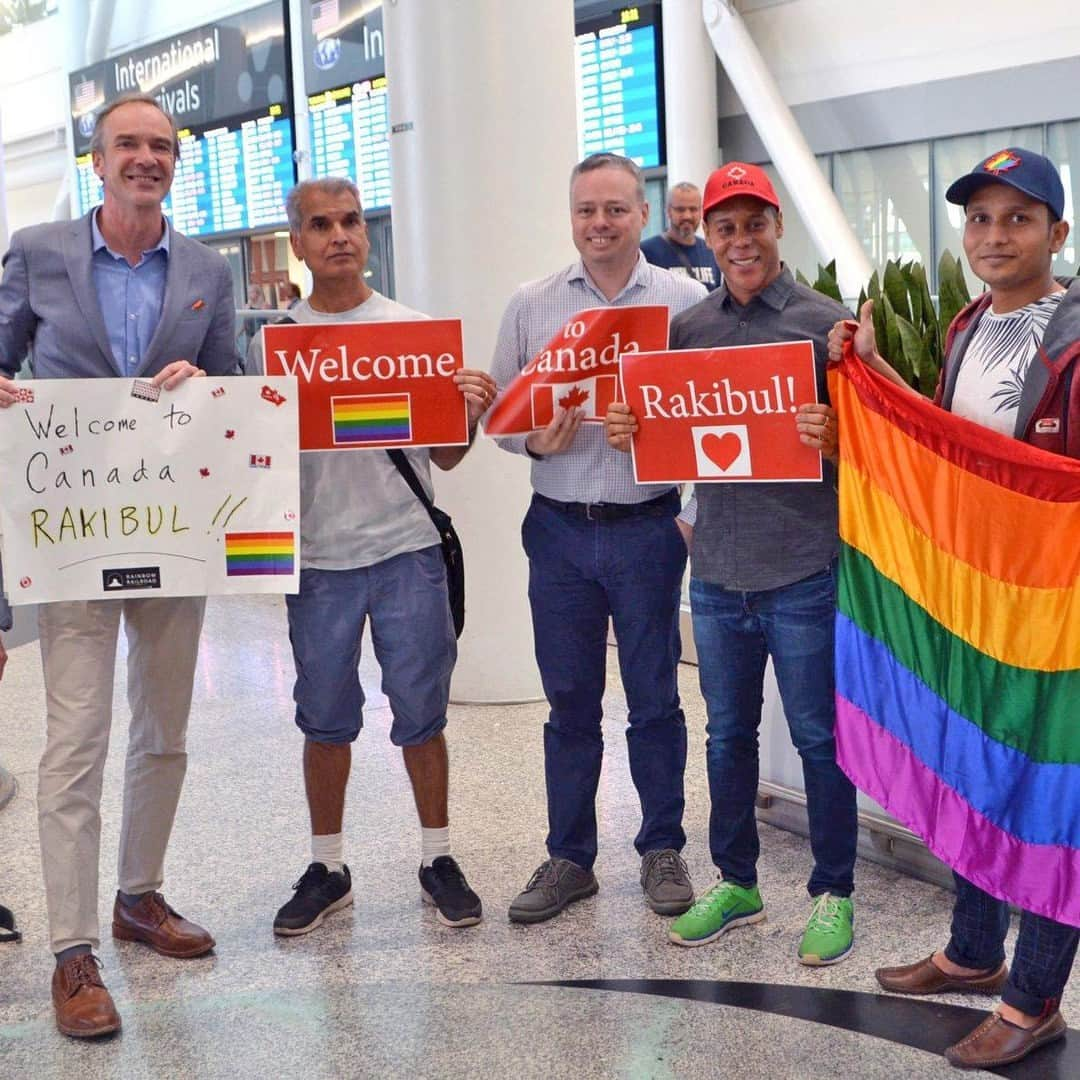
(1001, 162)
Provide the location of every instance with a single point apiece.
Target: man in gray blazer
(118, 293)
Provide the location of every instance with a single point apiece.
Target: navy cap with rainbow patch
(1024, 170)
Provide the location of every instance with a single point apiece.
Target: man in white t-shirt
(368, 551)
(1010, 365)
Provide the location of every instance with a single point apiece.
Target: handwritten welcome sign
(714, 415)
(578, 368)
(112, 488)
(374, 384)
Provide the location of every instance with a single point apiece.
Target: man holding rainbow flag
(958, 631)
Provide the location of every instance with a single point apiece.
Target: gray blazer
(48, 300)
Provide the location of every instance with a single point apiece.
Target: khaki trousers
(78, 653)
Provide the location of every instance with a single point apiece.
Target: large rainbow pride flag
(958, 639)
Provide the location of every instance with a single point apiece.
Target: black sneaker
(318, 893)
(443, 885)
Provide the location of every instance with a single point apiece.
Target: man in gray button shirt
(601, 547)
(762, 564)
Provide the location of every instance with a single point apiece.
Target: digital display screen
(348, 107)
(619, 79)
(350, 136)
(225, 85)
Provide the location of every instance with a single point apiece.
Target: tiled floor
(384, 990)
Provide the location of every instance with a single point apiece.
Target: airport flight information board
(350, 136)
(225, 85)
(348, 105)
(619, 80)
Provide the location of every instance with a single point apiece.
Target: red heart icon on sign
(722, 450)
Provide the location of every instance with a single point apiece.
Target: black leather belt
(666, 505)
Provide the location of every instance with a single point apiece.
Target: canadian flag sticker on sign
(720, 415)
(592, 396)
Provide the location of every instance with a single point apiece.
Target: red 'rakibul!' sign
(374, 384)
(715, 415)
(578, 368)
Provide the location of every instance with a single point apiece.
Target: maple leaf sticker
(576, 396)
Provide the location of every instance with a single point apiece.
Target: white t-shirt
(355, 508)
(996, 362)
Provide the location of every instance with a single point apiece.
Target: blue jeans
(1044, 953)
(412, 633)
(580, 573)
(735, 633)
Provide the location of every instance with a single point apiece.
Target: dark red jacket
(1049, 415)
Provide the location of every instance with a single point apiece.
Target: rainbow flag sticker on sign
(372, 418)
(259, 553)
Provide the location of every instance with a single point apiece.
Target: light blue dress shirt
(130, 297)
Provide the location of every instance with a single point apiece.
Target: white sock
(433, 843)
(329, 850)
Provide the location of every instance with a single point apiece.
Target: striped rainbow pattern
(378, 418)
(259, 553)
(958, 639)
(1001, 160)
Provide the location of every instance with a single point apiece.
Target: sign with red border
(373, 385)
(721, 415)
(578, 368)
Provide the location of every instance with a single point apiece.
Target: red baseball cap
(737, 178)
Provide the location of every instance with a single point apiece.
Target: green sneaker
(725, 906)
(829, 934)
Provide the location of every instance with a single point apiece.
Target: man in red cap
(762, 584)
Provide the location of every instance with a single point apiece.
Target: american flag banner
(85, 95)
(324, 16)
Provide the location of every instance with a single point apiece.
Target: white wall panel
(820, 49)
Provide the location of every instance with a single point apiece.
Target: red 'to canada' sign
(578, 368)
(715, 415)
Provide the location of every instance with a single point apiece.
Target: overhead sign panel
(620, 84)
(345, 75)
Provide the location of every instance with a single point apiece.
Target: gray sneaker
(554, 884)
(666, 882)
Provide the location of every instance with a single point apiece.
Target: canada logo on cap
(737, 178)
(1002, 161)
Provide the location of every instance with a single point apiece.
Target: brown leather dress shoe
(996, 1041)
(84, 1008)
(154, 923)
(926, 977)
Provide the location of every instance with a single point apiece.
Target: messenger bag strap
(408, 474)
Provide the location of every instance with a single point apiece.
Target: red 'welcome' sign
(579, 367)
(714, 415)
(375, 384)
